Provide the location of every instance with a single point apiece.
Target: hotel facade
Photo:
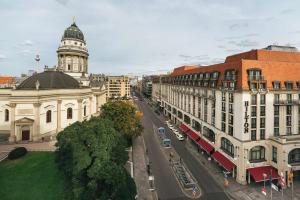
(244, 113)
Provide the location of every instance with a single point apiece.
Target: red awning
(205, 145)
(183, 128)
(222, 160)
(257, 173)
(192, 135)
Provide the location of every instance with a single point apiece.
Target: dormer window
(254, 75)
(230, 75)
(276, 85)
(288, 85)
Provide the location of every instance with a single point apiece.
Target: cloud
(27, 43)
(2, 57)
(244, 43)
(287, 11)
(238, 26)
(62, 2)
(194, 58)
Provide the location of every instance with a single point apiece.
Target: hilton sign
(246, 117)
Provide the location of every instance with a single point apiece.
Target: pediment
(24, 120)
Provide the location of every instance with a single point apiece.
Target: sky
(136, 37)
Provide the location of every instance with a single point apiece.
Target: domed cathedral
(73, 55)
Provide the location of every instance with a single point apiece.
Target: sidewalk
(140, 170)
(236, 190)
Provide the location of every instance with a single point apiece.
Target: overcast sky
(143, 36)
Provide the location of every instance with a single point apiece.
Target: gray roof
(49, 80)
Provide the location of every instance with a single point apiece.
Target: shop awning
(257, 173)
(183, 128)
(222, 160)
(192, 135)
(205, 145)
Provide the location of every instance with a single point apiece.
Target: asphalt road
(166, 183)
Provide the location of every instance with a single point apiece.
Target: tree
(124, 116)
(92, 155)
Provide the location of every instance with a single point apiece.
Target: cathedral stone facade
(46, 103)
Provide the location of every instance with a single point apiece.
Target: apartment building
(244, 113)
(117, 87)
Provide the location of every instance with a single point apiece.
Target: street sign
(264, 191)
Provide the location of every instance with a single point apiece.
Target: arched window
(227, 146)
(69, 113)
(209, 134)
(257, 154)
(84, 111)
(6, 117)
(48, 116)
(294, 156)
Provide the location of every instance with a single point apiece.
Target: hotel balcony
(256, 78)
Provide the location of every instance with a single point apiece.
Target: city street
(166, 183)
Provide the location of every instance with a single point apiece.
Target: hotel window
(276, 85)
(253, 122)
(294, 156)
(253, 99)
(69, 67)
(289, 98)
(289, 110)
(223, 127)
(230, 97)
(230, 130)
(224, 117)
(274, 154)
(262, 110)
(223, 106)
(227, 147)
(288, 85)
(263, 99)
(48, 116)
(6, 113)
(276, 121)
(257, 154)
(276, 131)
(253, 135)
(230, 120)
(276, 98)
(253, 111)
(276, 110)
(298, 84)
(253, 86)
(230, 108)
(262, 134)
(289, 120)
(69, 113)
(288, 130)
(230, 75)
(262, 86)
(223, 96)
(262, 122)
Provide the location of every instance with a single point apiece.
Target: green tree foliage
(124, 116)
(92, 155)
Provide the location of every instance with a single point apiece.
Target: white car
(176, 131)
(179, 137)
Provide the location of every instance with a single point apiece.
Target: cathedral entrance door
(25, 135)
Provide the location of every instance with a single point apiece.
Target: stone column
(79, 110)
(58, 116)
(12, 137)
(242, 158)
(91, 105)
(36, 125)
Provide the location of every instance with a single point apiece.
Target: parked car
(179, 137)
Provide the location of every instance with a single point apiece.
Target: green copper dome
(73, 32)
